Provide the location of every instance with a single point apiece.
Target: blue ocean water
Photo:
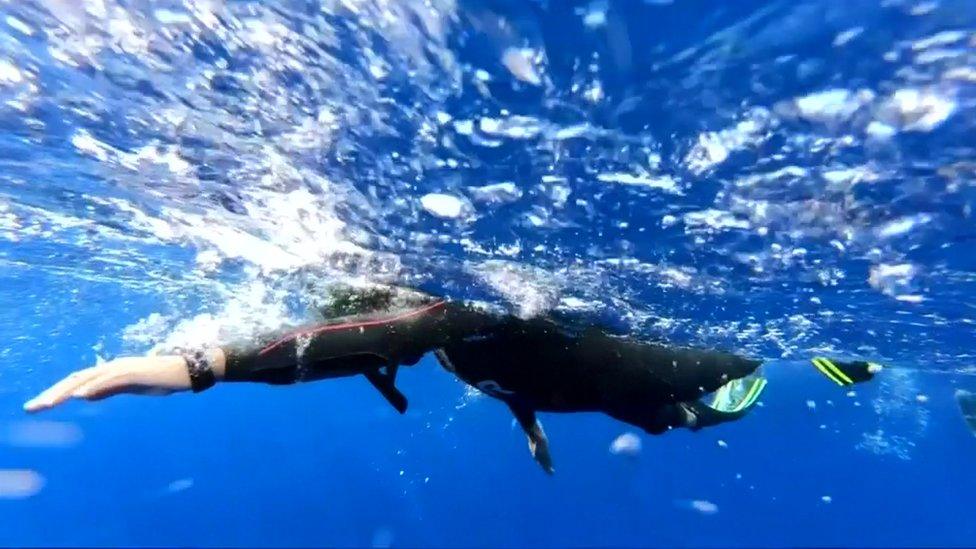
(781, 179)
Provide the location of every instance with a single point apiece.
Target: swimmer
(532, 365)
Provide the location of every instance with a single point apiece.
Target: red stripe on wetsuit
(349, 326)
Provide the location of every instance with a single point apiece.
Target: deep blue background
(321, 464)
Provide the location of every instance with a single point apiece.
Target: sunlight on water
(741, 196)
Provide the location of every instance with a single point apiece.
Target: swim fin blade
(385, 383)
(846, 373)
(738, 395)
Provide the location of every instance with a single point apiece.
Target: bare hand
(156, 375)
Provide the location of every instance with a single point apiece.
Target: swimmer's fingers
(62, 390)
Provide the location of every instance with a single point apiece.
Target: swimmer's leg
(655, 420)
(538, 442)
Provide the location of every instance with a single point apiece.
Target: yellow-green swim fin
(846, 373)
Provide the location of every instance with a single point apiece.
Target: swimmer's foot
(538, 441)
(846, 373)
(539, 446)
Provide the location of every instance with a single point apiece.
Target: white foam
(464, 127)
(496, 193)
(171, 17)
(880, 130)
(530, 291)
(713, 148)
(513, 127)
(938, 56)
(85, 142)
(147, 331)
(710, 151)
(521, 63)
(572, 132)
(903, 225)
(714, 219)
(575, 303)
(963, 74)
(920, 110)
(19, 25)
(665, 182)
(253, 310)
(443, 118)
(832, 106)
(167, 156)
(264, 34)
(850, 176)
(10, 74)
(895, 280)
(441, 205)
(676, 277)
(939, 39)
(594, 92)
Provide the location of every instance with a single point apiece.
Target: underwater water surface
(782, 179)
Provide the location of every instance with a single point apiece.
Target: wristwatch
(201, 372)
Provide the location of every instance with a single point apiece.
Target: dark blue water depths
(781, 179)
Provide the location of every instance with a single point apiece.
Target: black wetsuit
(531, 365)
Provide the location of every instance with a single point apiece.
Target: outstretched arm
(373, 345)
(155, 375)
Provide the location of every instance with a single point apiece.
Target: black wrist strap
(201, 371)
